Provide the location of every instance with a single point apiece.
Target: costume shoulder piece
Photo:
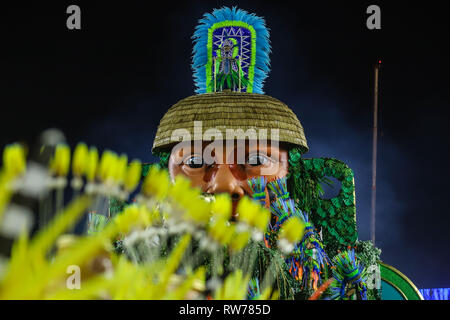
(231, 51)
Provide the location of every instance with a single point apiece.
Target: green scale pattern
(336, 216)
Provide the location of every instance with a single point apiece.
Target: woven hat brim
(229, 111)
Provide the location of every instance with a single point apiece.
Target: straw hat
(230, 110)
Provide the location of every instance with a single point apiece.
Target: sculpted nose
(224, 182)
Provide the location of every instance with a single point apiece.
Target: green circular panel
(389, 292)
(396, 286)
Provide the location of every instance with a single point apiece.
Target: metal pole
(374, 155)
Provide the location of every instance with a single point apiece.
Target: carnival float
(172, 230)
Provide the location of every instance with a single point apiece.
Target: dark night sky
(110, 83)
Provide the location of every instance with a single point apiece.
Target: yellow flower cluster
(31, 274)
(109, 174)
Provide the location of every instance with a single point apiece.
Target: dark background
(110, 83)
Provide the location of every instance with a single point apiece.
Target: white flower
(285, 245)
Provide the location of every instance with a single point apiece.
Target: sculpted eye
(194, 162)
(257, 160)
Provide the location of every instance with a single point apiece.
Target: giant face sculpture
(226, 167)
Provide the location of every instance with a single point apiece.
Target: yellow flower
(108, 166)
(234, 287)
(121, 170)
(221, 231)
(92, 164)
(133, 175)
(198, 211)
(133, 215)
(14, 161)
(60, 162)
(5, 192)
(292, 230)
(247, 210)
(181, 189)
(239, 240)
(253, 214)
(189, 201)
(80, 160)
(221, 206)
(156, 183)
(262, 220)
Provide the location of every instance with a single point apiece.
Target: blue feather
(200, 51)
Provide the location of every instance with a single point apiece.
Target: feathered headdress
(231, 51)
